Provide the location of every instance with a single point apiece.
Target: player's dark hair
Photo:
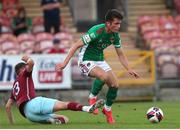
(19, 66)
(113, 13)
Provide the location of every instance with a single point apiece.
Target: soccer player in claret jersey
(92, 63)
(39, 109)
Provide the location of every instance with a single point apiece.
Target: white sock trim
(86, 108)
(107, 108)
(92, 96)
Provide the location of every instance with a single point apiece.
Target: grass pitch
(127, 115)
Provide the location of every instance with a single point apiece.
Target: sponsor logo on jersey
(112, 39)
(102, 46)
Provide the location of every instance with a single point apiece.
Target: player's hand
(60, 66)
(25, 58)
(133, 73)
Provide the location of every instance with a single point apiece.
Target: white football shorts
(87, 66)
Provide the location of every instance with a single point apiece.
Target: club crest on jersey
(100, 30)
(112, 39)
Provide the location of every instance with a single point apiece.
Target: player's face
(114, 25)
(22, 69)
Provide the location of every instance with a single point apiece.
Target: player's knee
(103, 77)
(114, 84)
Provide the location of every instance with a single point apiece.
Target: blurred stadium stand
(160, 32)
(152, 26)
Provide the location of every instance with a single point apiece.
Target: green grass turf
(127, 115)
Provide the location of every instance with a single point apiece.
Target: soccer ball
(154, 114)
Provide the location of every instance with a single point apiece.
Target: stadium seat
(177, 5)
(5, 24)
(177, 20)
(178, 59)
(37, 25)
(169, 70)
(152, 35)
(1, 52)
(65, 38)
(45, 40)
(162, 34)
(167, 23)
(9, 7)
(169, 34)
(9, 3)
(164, 48)
(155, 43)
(9, 44)
(144, 19)
(150, 24)
(26, 42)
(149, 27)
(168, 66)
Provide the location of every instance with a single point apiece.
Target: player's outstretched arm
(8, 111)
(29, 61)
(124, 61)
(73, 49)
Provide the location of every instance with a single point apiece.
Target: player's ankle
(92, 96)
(107, 108)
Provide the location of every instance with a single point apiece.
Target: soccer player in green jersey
(91, 59)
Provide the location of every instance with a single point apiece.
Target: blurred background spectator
(37, 48)
(154, 24)
(20, 22)
(51, 14)
(9, 7)
(0, 12)
(0, 5)
(57, 48)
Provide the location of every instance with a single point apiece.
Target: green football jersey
(95, 41)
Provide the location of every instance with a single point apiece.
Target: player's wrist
(25, 58)
(129, 69)
(28, 60)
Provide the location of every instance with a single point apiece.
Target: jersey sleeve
(26, 73)
(117, 41)
(92, 35)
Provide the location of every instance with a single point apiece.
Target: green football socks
(111, 96)
(97, 86)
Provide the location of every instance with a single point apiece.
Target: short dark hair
(113, 13)
(19, 66)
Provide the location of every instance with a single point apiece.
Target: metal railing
(144, 57)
